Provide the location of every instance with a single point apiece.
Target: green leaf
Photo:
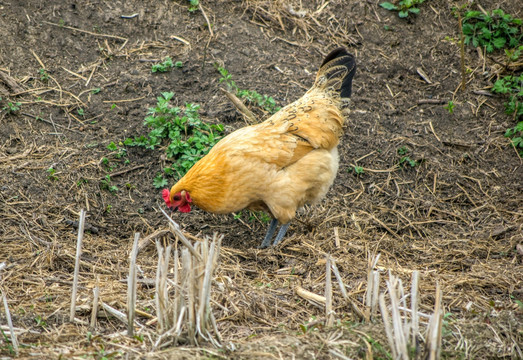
(403, 14)
(159, 181)
(414, 10)
(499, 42)
(389, 6)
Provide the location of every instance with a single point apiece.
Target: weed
(51, 174)
(403, 150)
(305, 328)
(358, 170)
(263, 101)
(405, 159)
(259, 216)
(514, 54)
(80, 112)
(112, 146)
(7, 341)
(12, 107)
(120, 152)
(193, 5)
(450, 107)
(159, 181)
(96, 91)
(40, 321)
(105, 184)
(378, 349)
(82, 181)
(492, 31)
(513, 87)
(516, 137)
(165, 66)
(404, 7)
(189, 138)
(44, 75)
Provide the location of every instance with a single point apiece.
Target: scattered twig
(240, 106)
(329, 313)
(176, 229)
(50, 122)
(77, 264)
(14, 341)
(96, 297)
(432, 101)
(307, 295)
(87, 226)
(209, 26)
(85, 31)
(131, 287)
(424, 76)
(10, 82)
(125, 171)
(129, 16)
(116, 313)
(462, 52)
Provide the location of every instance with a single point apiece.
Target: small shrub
(186, 136)
(164, 66)
(513, 87)
(493, 31)
(404, 7)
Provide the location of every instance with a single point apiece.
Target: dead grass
(455, 218)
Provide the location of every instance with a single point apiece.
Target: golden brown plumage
(279, 165)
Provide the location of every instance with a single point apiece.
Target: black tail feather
(337, 58)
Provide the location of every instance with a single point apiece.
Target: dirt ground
(456, 216)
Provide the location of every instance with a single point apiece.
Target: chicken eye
(176, 197)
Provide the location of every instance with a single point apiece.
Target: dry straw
(183, 303)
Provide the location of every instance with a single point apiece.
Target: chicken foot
(270, 232)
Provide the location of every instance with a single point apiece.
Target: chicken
(279, 165)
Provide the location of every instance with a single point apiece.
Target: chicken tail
(336, 73)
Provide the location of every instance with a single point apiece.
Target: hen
(279, 165)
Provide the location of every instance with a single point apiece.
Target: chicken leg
(270, 232)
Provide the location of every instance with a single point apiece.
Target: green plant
(44, 75)
(120, 152)
(265, 102)
(358, 170)
(82, 181)
(450, 107)
(188, 137)
(404, 7)
(159, 181)
(164, 66)
(513, 87)
(514, 54)
(12, 107)
(80, 112)
(51, 171)
(378, 349)
(96, 90)
(194, 5)
(105, 184)
(40, 321)
(405, 159)
(7, 341)
(516, 137)
(492, 31)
